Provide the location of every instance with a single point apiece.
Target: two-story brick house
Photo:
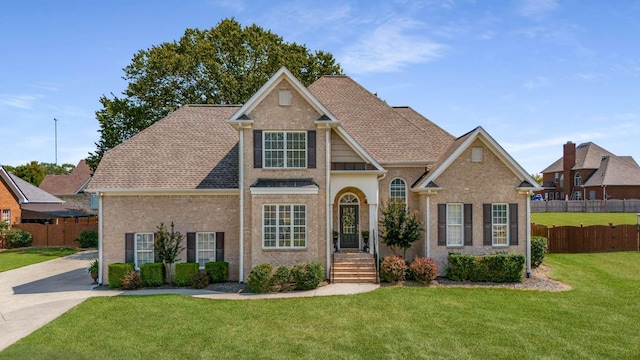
(589, 172)
(269, 181)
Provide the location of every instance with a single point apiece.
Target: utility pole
(56, 138)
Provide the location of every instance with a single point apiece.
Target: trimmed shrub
(259, 280)
(307, 276)
(423, 270)
(539, 247)
(17, 238)
(200, 280)
(281, 280)
(152, 274)
(116, 272)
(487, 268)
(88, 239)
(393, 268)
(185, 273)
(131, 281)
(218, 271)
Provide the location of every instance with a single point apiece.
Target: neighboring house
(269, 181)
(590, 172)
(70, 187)
(22, 202)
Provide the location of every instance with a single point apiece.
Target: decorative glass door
(349, 215)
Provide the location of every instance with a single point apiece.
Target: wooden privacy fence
(589, 206)
(586, 239)
(56, 234)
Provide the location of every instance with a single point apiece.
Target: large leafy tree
(226, 64)
(32, 172)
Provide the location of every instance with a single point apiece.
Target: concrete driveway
(34, 295)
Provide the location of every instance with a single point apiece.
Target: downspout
(328, 234)
(528, 250)
(380, 178)
(427, 224)
(241, 185)
(100, 239)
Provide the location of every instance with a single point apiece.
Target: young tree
(399, 229)
(168, 245)
(226, 64)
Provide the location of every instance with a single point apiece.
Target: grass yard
(599, 319)
(575, 219)
(15, 258)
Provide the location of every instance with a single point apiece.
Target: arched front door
(349, 216)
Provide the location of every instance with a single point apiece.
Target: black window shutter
(128, 247)
(468, 220)
(486, 221)
(156, 258)
(191, 247)
(311, 149)
(513, 224)
(442, 224)
(219, 246)
(257, 149)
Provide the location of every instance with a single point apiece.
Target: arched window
(577, 179)
(349, 199)
(398, 190)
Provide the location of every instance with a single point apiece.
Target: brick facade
(9, 202)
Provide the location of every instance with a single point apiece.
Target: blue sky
(534, 74)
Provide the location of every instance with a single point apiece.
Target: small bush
(131, 281)
(200, 280)
(423, 270)
(281, 280)
(487, 268)
(539, 247)
(218, 271)
(307, 276)
(88, 239)
(152, 274)
(116, 272)
(185, 273)
(17, 238)
(393, 268)
(260, 278)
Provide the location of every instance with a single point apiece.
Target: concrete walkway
(34, 295)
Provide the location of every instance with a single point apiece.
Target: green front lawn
(586, 219)
(12, 259)
(599, 319)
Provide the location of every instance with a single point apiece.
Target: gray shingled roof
(32, 193)
(614, 171)
(192, 148)
(588, 156)
(386, 133)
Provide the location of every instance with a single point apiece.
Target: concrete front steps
(353, 267)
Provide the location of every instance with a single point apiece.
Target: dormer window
(285, 149)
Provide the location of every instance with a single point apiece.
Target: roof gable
(25, 192)
(462, 143)
(68, 184)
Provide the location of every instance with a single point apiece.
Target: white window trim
(215, 241)
(264, 150)
(406, 193)
(6, 217)
(291, 226)
(135, 249)
(493, 240)
(461, 224)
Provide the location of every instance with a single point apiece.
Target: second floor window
(577, 179)
(398, 190)
(285, 149)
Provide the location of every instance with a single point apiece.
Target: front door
(349, 227)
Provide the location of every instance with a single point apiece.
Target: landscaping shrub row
(15, 238)
(395, 268)
(487, 268)
(153, 275)
(267, 278)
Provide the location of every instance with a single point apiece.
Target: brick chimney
(568, 161)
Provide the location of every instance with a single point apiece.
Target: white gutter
(427, 225)
(241, 186)
(328, 234)
(100, 239)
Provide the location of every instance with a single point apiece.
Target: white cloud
(537, 8)
(389, 47)
(17, 101)
(537, 82)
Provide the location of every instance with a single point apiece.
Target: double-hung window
(455, 225)
(205, 248)
(499, 224)
(285, 149)
(398, 190)
(143, 249)
(6, 216)
(284, 226)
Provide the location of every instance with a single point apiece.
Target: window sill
(284, 249)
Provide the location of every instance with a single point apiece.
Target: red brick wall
(8, 201)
